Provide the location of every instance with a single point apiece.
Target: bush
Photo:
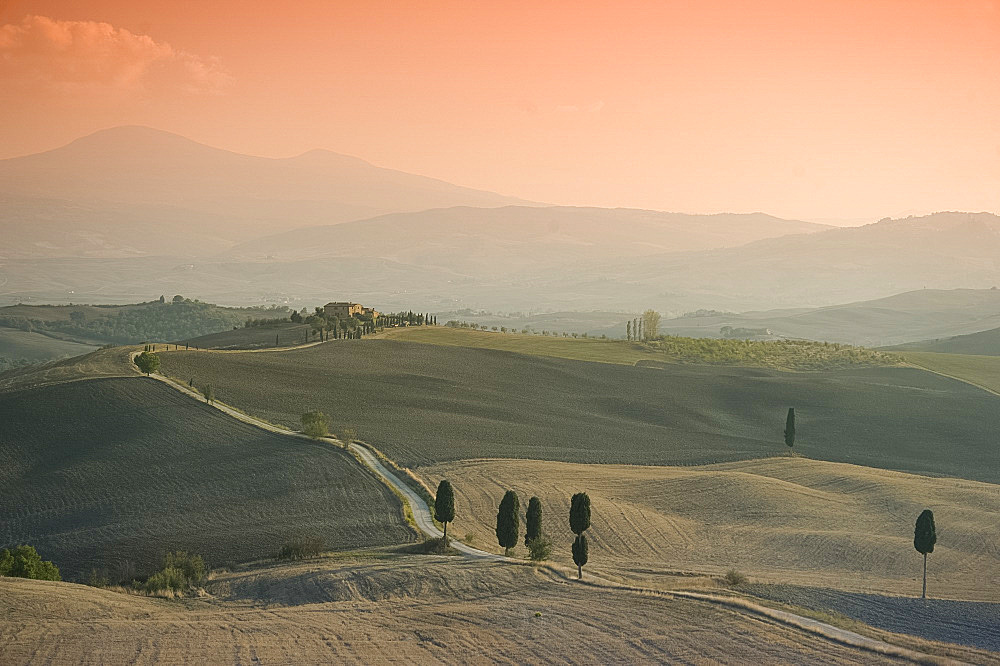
(300, 549)
(315, 424)
(430, 547)
(540, 549)
(734, 578)
(25, 562)
(181, 573)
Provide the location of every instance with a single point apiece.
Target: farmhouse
(345, 309)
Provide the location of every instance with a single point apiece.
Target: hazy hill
(942, 251)
(133, 190)
(914, 315)
(984, 343)
(513, 239)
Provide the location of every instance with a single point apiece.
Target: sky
(847, 111)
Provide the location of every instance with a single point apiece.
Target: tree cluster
(25, 562)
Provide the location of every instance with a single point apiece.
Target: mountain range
(131, 213)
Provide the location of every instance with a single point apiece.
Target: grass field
(985, 343)
(17, 344)
(254, 337)
(413, 610)
(422, 404)
(782, 355)
(100, 473)
(110, 362)
(787, 520)
(982, 371)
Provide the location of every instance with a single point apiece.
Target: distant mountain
(517, 240)
(984, 343)
(134, 190)
(942, 251)
(914, 315)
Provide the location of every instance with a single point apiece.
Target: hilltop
(91, 197)
(44, 332)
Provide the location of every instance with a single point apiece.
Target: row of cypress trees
(509, 521)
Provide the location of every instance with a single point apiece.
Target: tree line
(509, 520)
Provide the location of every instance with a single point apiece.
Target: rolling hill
(947, 250)
(424, 403)
(132, 191)
(511, 240)
(914, 315)
(112, 473)
(983, 343)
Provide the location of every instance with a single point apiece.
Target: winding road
(425, 523)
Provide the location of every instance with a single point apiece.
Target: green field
(780, 354)
(15, 344)
(982, 371)
(983, 343)
(255, 337)
(111, 473)
(423, 403)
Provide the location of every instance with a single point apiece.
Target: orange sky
(836, 109)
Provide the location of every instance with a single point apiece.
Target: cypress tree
(580, 554)
(924, 538)
(579, 521)
(579, 513)
(628, 331)
(444, 506)
(790, 427)
(508, 521)
(533, 521)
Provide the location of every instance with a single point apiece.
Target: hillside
(423, 403)
(91, 197)
(418, 609)
(983, 343)
(152, 321)
(948, 250)
(124, 469)
(23, 346)
(477, 242)
(913, 315)
(781, 520)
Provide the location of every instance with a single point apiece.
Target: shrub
(734, 578)
(25, 562)
(300, 549)
(182, 572)
(96, 579)
(315, 424)
(540, 549)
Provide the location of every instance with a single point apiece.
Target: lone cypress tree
(533, 521)
(508, 521)
(790, 428)
(444, 506)
(924, 538)
(580, 554)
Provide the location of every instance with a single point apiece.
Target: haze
(828, 111)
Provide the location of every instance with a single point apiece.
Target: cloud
(85, 55)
